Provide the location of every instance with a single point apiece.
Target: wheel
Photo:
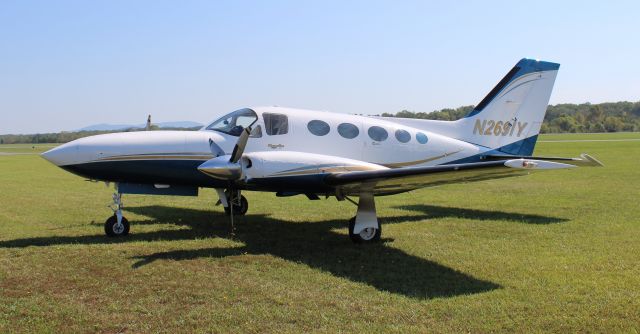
(113, 229)
(238, 210)
(368, 235)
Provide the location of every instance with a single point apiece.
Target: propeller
(215, 149)
(227, 167)
(224, 166)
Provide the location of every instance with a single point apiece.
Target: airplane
(318, 153)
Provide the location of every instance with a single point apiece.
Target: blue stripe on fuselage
(186, 173)
(177, 172)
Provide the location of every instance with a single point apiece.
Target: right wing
(390, 181)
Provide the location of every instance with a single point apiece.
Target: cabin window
(377, 133)
(233, 123)
(421, 138)
(275, 124)
(403, 136)
(318, 127)
(348, 130)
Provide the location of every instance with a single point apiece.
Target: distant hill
(64, 136)
(118, 127)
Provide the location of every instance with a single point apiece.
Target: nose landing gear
(239, 203)
(116, 225)
(233, 197)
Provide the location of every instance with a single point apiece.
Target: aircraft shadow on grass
(433, 212)
(312, 243)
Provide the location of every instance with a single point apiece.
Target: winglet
(593, 161)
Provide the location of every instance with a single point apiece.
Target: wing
(391, 181)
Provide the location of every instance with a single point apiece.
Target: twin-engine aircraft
(313, 153)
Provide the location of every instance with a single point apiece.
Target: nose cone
(221, 168)
(62, 155)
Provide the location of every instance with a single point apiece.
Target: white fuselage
(341, 143)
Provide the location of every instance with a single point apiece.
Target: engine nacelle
(287, 163)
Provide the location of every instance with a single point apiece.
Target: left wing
(390, 181)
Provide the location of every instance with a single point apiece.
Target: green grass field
(550, 252)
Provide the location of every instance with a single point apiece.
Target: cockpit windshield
(235, 122)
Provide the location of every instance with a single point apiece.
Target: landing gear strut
(364, 227)
(116, 225)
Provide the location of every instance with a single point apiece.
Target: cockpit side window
(275, 124)
(235, 122)
(256, 132)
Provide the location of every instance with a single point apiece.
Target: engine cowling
(287, 163)
(279, 164)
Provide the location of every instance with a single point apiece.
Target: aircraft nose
(62, 155)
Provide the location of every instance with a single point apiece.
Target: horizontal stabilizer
(584, 160)
(535, 164)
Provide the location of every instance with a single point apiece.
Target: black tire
(361, 237)
(239, 210)
(109, 225)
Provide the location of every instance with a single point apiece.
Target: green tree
(613, 124)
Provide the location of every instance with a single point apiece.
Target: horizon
(140, 125)
(72, 64)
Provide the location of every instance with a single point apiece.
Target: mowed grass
(550, 252)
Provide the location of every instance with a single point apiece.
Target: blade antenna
(231, 204)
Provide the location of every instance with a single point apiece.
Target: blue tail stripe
(522, 147)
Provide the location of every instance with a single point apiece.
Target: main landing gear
(369, 234)
(116, 225)
(365, 227)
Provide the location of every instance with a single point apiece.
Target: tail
(509, 118)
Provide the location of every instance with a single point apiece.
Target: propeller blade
(215, 149)
(238, 150)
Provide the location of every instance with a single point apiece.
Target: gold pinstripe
(156, 157)
(417, 162)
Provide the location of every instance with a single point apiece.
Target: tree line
(560, 118)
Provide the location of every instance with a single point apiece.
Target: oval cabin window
(403, 136)
(348, 130)
(318, 127)
(421, 138)
(377, 133)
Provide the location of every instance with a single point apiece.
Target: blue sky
(68, 64)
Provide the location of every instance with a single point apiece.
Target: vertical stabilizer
(509, 118)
